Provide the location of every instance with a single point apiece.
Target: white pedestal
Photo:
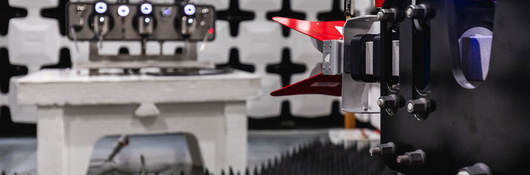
(75, 111)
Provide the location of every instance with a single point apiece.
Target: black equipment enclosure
(486, 124)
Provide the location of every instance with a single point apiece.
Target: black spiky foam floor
(321, 158)
(314, 158)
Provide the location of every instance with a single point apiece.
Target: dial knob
(101, 21)
(190, 9)
(100, 7)
(146, 8)
(145, 20)
(123, 10)
(188, 21)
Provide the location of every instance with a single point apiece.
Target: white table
(75, 111)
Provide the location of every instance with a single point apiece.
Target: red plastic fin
(317, 84)
(379, 3)
(325, 30)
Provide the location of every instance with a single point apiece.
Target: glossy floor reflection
(162, 153)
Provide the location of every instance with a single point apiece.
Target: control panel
(142, 21)
(101, 20)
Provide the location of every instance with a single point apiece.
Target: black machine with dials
(122, 20)
(143, 21)
(463, 89)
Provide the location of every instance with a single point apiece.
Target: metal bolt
(402, 159)
(463, 173)
(383, 149)
(381, 102)
(410, 107)
(375, 151)
(476, 169)
(409, 12)
(380, 15)
(417, 157)
(386, 14)
(417, 11)
(391, 101)
(420, 107)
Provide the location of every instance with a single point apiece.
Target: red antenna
(379, 3)
(320, 30)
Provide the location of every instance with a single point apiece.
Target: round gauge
(146, 8)
(100, 7)
(190, 9)
(123, 10)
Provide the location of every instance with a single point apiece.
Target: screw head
(417, 11)
(375, 151)
(383, 149)
(476, 169)
(380, 15)
(417, 157)
(381, 102)
(419, 106)
(410, 107)
(402, 159)
(392, 101)
(463, 173)
(409, 12)
(386, 14)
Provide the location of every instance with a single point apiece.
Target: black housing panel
(487, 124)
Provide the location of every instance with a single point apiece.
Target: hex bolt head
(385, 102)
(417, 12)
(392, 101)
(417, 157)
(476, 169)
(375, 151)
(386, 14)
(463, 173)
(381, 102)
(383, 149)
(420, 107)
(380, 15)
